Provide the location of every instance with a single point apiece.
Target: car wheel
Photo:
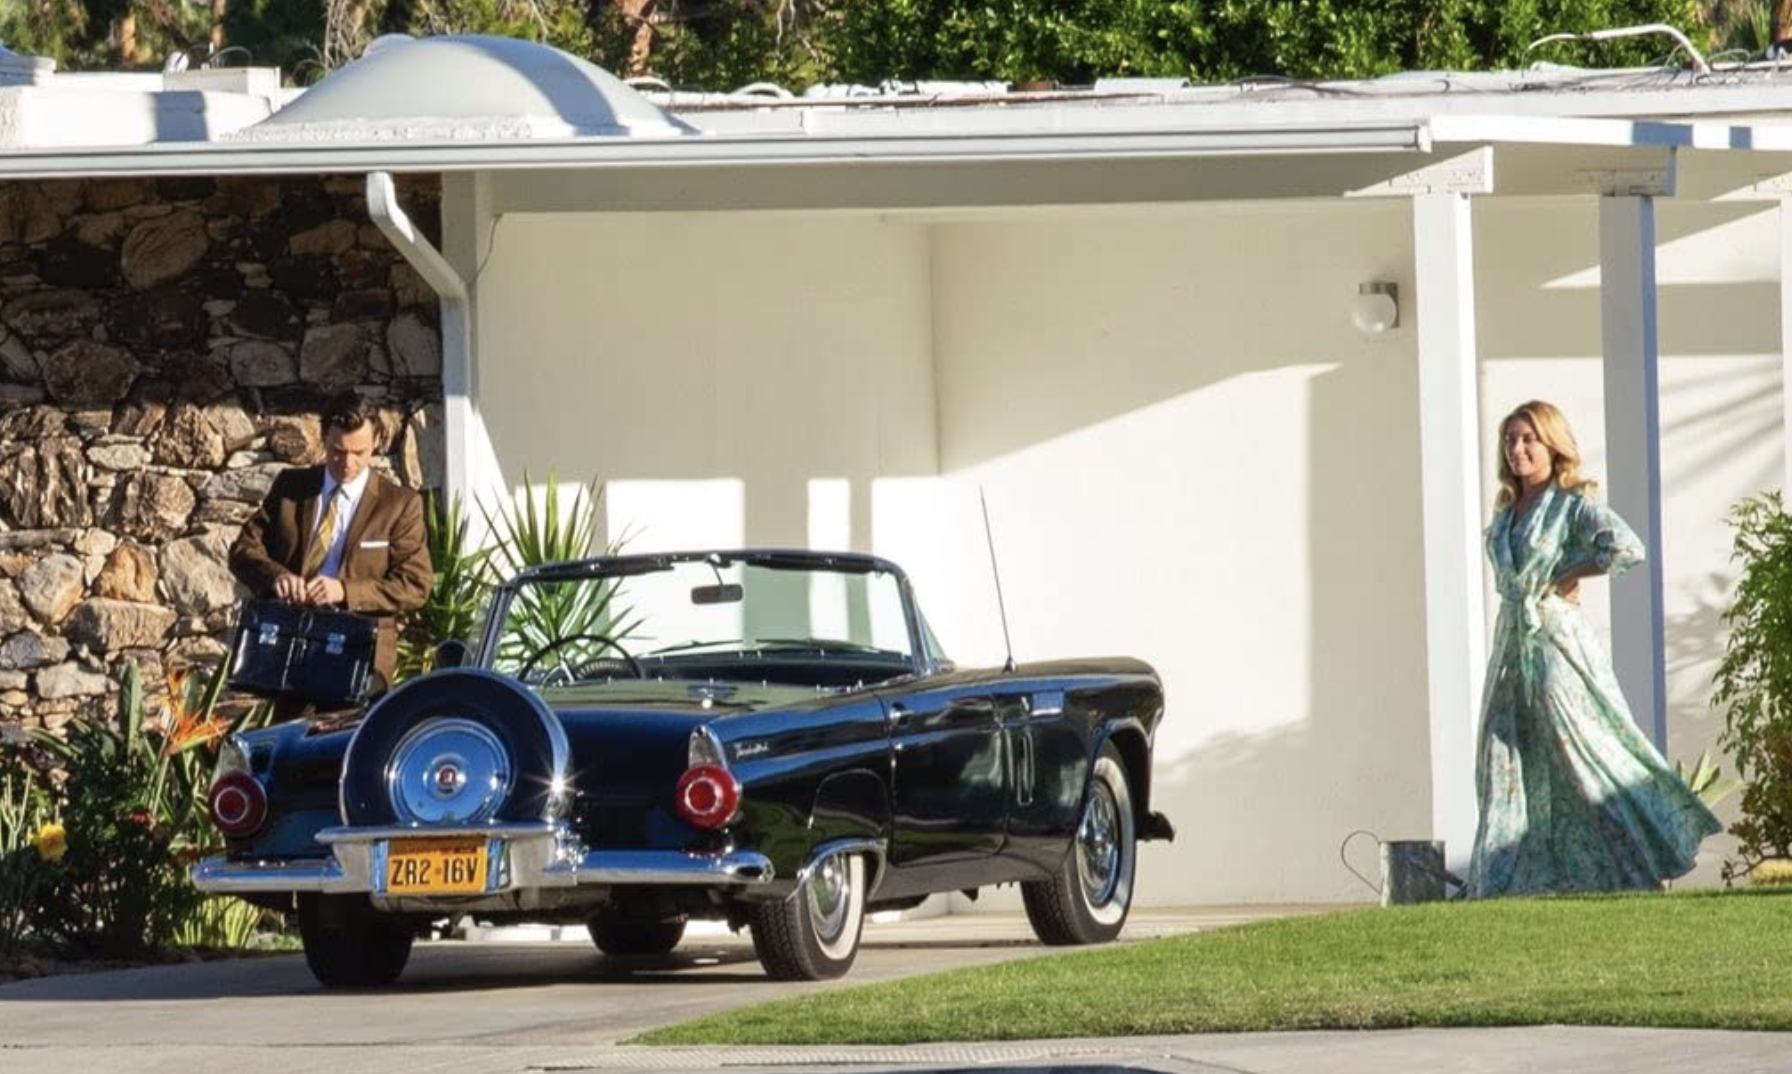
(1087, 900)
(814, 934)
(633, 936)
(348, 944)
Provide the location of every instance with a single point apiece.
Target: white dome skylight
(465, 87)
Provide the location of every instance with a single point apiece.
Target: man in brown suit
(341, 534)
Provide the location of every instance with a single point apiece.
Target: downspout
(459, 414)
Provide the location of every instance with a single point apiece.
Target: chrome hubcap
(449, 771)
(1098, 846)
(829, 898)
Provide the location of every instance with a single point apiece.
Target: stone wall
(165, 346)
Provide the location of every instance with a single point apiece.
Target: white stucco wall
(1189, 454)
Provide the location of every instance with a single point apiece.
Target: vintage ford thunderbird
(769, 738)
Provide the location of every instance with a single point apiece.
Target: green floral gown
(1573, 797)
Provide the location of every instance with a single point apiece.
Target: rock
(248, 485)
(29, 213)
(46, 485)
(18, 395)
(261, 364)
(200, 377)
(330, 238)
(26, 650)
(408, 287)
(49, 317)
(108, 625)
(189, 441)
(85, 372)
(415, 346)
(121, 456)
(167, 318)
(164, 248)
(34, 540)
(305, 278)
(366, 305)
(227, 513)
(265, 315)
(17, 363)
(104, 195)
(95, 543)
(142, 415)
(129, 574)
(298, 438)
(197, 574)
(244, 196)
(51, 586)
(71, 263)
(200, 649)
(365, 270)
(424, 457)
(12, 609)
(233, 424)
(100, 229)
(71, 680)
(333, 357)
(150, 507)
(13, 680)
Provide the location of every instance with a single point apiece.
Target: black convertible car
(770, 738)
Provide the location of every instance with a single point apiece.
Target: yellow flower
(51, 842)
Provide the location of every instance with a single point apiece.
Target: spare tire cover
(525, 729)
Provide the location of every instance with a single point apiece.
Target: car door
(949, 776)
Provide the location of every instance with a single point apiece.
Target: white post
(472, 462)
(1450, 472)
(1633, 448)
(1786, 343)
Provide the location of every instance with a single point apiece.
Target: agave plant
(1705, 780)
(530, 531)
(462, 578)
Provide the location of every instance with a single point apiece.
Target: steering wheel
(560, 643)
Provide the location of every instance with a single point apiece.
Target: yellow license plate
(435, 866)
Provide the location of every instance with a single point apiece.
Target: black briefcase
(290, 650)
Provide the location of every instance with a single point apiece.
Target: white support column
(1450, 471)
(1786, 342)
(472, 462)
(1633, 447)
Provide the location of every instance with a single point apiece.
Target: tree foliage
(721, 44)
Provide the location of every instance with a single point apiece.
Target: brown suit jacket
(385, 564)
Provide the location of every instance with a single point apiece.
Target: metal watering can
(1412, 870)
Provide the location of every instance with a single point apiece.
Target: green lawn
(1704, 959)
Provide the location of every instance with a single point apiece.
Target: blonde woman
(1572, 796)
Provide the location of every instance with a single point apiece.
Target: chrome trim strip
(537, 859)
(873, 847)
(502, 830)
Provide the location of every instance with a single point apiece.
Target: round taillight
(708, 796)
(238, 804)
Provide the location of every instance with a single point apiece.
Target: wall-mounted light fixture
(1376, 307)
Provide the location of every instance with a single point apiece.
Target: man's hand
(290, 587)
(321, 590)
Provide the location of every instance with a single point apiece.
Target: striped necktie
(325, 536)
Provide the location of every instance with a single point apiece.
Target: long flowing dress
(1573, 797)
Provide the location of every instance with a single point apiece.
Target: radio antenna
(996, 572)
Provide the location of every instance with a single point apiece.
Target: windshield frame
(923, 659)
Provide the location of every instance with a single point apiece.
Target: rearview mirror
(729, 593)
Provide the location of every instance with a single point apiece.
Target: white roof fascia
(699, 151)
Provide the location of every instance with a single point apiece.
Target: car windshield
(711, 619)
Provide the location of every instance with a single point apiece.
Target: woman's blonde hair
(1564, 454)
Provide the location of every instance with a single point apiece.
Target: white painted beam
(1450, 474)
(472, 462)
(1786, 340)
(1633, 448)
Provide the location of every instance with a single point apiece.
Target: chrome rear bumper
(525, 857)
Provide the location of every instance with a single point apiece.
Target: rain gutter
(268, 157)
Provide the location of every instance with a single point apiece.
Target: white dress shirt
(345, 514)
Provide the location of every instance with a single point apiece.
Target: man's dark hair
(349, 411)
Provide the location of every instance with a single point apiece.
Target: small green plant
(28, 838)
(1754, 678)
(220, 921)
(1706, 780)
(462, 580)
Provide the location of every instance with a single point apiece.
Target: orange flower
(190, 726)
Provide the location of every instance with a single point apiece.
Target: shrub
(461, 581)
(1754, 678)
(27, 837)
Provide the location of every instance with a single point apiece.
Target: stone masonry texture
(165, 348)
